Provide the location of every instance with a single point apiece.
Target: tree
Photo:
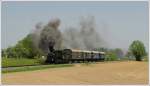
(27, 47)
(4, 53)
(137, 49)
(23, 49)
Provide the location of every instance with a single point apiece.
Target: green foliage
(137, 49)
(9, 62)
(4, 54)
(23, 49)
(111, 56)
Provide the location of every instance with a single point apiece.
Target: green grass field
(28, 64)
(24, 64)
(11, 62)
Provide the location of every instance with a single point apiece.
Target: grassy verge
(31, 68)
(14, 62)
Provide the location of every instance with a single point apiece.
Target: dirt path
(101, 73)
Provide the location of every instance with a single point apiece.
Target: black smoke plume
(48, 35)
(84, 37)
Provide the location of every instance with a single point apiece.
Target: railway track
(35, 67)
(17, 67)
(46, 65)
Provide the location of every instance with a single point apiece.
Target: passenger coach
(72, 55)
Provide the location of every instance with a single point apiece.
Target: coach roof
(86, 51)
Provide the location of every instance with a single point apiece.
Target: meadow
(14, 62)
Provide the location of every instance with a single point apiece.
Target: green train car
(71, 56)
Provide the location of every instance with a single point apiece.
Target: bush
(111, 56)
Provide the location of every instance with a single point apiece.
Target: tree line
(26, 49)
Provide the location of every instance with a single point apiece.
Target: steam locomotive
(72, 55)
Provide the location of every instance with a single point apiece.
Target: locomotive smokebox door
(50, 57)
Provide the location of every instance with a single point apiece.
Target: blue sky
(119, 23)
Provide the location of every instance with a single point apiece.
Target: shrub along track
(129, 72)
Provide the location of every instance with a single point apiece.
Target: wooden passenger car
(84, 55)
